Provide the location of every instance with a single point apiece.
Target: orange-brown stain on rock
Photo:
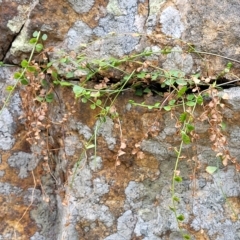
(94, 234)
(56, 16)
(232, 208)
(13, 212)
(98, 11)
(130, 167)
(83, 112)
(143, 8)
(199, 235)
(13, 218)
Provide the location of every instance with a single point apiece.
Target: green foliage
(177, 179)
(211, 169)
(187, 237)
(180, 217)
(21, 75)
(132, 72)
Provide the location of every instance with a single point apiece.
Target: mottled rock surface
(108, 28)
(76, 195)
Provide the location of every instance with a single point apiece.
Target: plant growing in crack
(100, 87)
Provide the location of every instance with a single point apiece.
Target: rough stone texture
(177, 60)
(14, 15)
(82, 6)
(76, 195)
(24, 161)
(6, 125)
(132, 200)
(111, 25)
(171, 22)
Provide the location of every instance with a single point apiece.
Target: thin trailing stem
(22, 74)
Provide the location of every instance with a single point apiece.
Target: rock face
(63, 192)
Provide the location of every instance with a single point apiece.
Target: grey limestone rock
(125, 226)
(171, 22)
(176, 60)
(233, 97)
(79, 34)
(105, 129)
(6, 125)
(82, 6)
(24, 161)
(7, 189)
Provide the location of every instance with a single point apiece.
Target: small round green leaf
(181, 82)
(39, 47)
(190, 97)
(84, 100)
(69, 75)
(167, 108)
(92, 106)
(172, 102)
(187, 237)
(44, 83)
(33, 40)
(24, 63)
(78, 90)
(139, 92)
(185, 138)
(190, 103)
(189, 127)
(24, 81)
(35, 34)
(54, 75)
(141, 75)
(49, 97)
(182, 91)
(147, 90)
(211, 169)
(17, 75)
(49, 64)
(44, 37)
(176, 199)
(199, 100)
(98, 102)
(178, 179)
(31, 69)
(9, 88)
(172, 208)
(180, 217)
(183, 117)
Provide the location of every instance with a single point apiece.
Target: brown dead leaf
(140, 155)
(134, 151)
(196, 80)
(137, 145)
(112, 109)
(120, 153)
(225, 160)
(225, 96)
(118, 163)
(177, 172)
(123, 145)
